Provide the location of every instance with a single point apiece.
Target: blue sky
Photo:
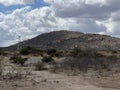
(37, 4)
(29, 18)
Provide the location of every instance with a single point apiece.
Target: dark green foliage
(29, 50)
(114, 51)
(18, 59)
(2, 52)
(78, 52)
(26, 50)
(95, 54)
(53, 52)
(47, 59)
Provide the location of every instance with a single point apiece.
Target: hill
(66, 40)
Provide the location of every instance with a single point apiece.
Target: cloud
(102, 16)
(90, 16)
(100, 9)
(26, 22)
(16, 2)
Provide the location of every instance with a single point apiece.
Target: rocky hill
(66, 40)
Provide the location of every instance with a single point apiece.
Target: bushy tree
(30, 50)
(18, 59)
(47, 59)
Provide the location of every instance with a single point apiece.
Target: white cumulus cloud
(15, 2)
(93, 16)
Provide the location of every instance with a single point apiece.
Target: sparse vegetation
(114, 51)
(53, 52)
(30, 50)
(15, 73)
(40, 66)
(18, 59)
(2, 52)
(47, 59)
(77, 51)
(83, 64)
(95, 54)
(89, 53)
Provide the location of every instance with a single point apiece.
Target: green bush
(2, 52)
(26, 50)
(79, 52)
(53, 52)
(47, 59)
(29, 50)
(114, 51)
(18, 59)
(96, 54)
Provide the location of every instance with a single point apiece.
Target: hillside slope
(66, 40)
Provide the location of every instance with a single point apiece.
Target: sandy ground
(45, 80)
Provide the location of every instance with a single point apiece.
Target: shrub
(96, 54)
(15, 73)
(77, 52)
(28, 50)
(47, 59)
(83, 64)
(75, 64)
(2, 52)
(18, 59)
(39, 66)
(88, 53)
(114, 52)
(53, 52)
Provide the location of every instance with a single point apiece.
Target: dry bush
(78, 52)
(40, 66)
(15, 73)
(83, 64)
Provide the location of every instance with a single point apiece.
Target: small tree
(26, 50)
(18, 60)
(47, 59)
(30, 50)
(53, 52)
(79, 52)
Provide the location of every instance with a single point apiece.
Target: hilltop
(67, 40)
